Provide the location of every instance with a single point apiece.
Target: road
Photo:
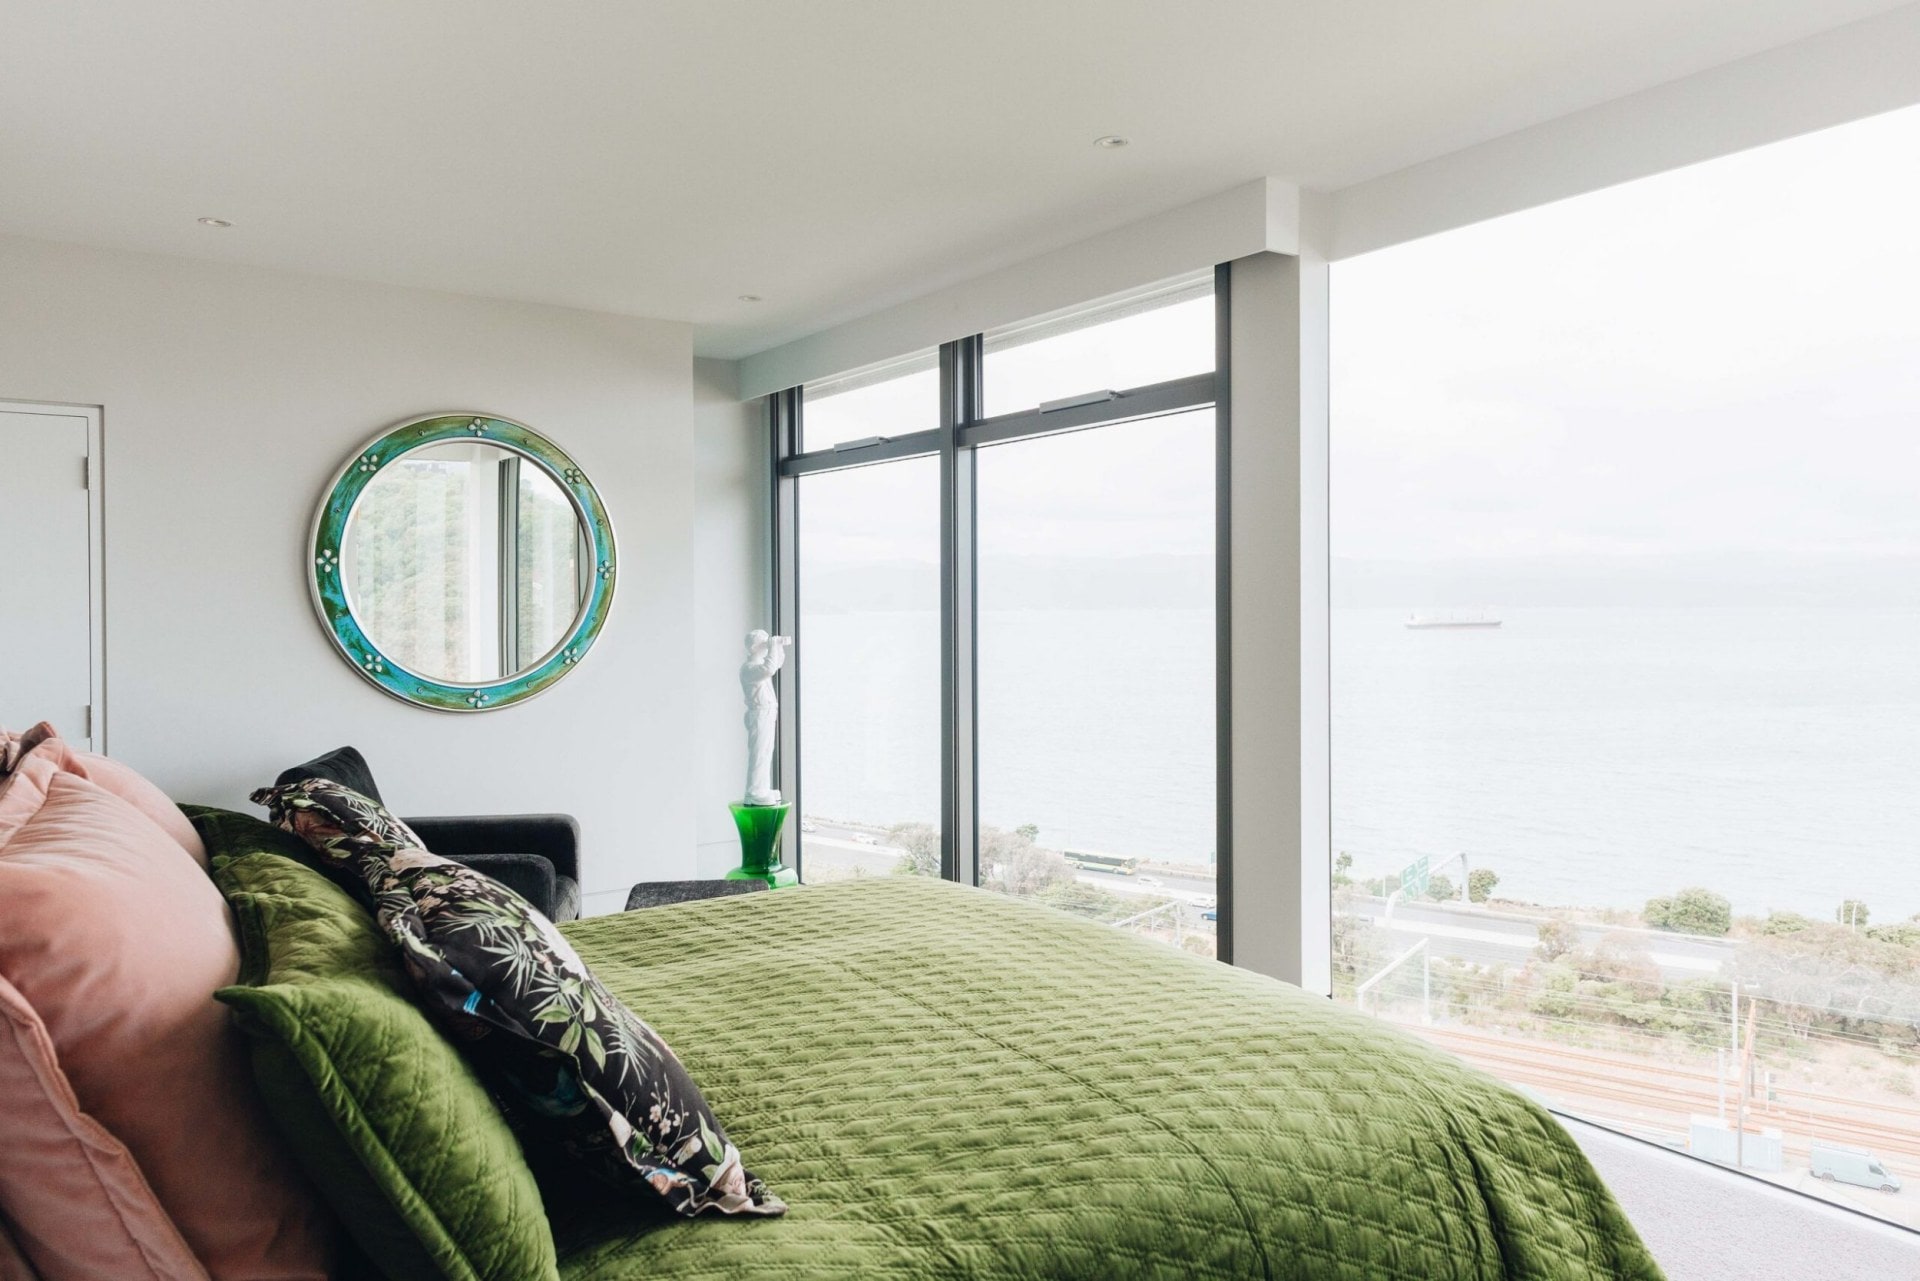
(1486, 938)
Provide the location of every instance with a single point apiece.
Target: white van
(1851, 1165)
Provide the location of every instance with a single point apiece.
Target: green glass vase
(760, 845)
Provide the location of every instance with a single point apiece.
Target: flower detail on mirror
(573, 476)
(369, 462)
(606, 569)
(570, 655)
(328, 560)
(476, 700)
(478, 426)
(373, 663)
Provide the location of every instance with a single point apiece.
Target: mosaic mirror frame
(329, 590)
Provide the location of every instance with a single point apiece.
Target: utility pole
(1746, 1075)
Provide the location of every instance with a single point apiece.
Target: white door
(49, 621)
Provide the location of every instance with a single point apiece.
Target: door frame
(95, 480)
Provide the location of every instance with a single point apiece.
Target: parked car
(1852, 1165)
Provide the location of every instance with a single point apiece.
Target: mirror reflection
(465, 562)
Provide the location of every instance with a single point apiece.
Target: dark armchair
(537, 855)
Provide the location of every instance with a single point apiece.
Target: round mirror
(462, 562)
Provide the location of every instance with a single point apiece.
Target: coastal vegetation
(1816, 990)
(1013, 863)
(1694, 910)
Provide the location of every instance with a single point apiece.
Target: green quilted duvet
(942, 1082)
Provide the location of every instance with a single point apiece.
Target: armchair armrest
(554, 837)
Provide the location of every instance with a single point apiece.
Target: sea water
(1592, 756)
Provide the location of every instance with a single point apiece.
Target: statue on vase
(765, 656)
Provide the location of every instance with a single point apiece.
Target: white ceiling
(662, 157)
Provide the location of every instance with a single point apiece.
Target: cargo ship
(1422, 622)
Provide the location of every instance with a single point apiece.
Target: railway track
(1639, 1093)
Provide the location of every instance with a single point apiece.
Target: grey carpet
(1705, 1223)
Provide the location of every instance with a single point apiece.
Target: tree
(1784, 923)
(920, 848)
(1900, 934)
(1011, 863)
(1023, 868)
(1343, 869)
(1832, 978)
(1557, 938)
(1480, 883)
(1694, 910)
(1441, 889)
(1851, 913)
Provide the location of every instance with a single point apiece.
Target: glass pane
(1096, 674)
(1626, 706)
(869, 658)
(1170, 337)
(421, 562)
(549, 570)
(895, 401)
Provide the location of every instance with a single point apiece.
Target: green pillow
(383, 1114)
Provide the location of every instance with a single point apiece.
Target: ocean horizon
(1591, 756)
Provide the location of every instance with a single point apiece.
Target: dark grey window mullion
(1151, 401)
(783, 422)
(1223, 610)
(960, 400)
(917, 444)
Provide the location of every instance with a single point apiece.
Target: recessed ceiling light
(750, 298)
(215, 222)
(1111, 142)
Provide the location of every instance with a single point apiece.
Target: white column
(1281, 894)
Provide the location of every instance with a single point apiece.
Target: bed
(943, 1082)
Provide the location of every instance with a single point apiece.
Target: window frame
(962, 431)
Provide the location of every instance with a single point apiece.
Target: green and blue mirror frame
(462, 562)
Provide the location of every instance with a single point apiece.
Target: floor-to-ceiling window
(1002, 580)
(870, 685)
(1626, 655)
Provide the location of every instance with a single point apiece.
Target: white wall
(231, 395)
(731, 560)
(1254, 217)
(1848, 73)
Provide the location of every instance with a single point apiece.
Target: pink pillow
(117, 946)
(77, 1204)
(119, 779)
(13, 1264)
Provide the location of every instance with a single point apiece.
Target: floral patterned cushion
(573, 1063)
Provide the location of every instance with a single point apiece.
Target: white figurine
(765, 656)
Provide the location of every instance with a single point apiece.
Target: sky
(1713, 371)
(1702, 386)
(1117, 493)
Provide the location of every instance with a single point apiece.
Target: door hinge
(86, 471)
(87, 717)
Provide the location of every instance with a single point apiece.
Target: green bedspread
(944, 1083)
